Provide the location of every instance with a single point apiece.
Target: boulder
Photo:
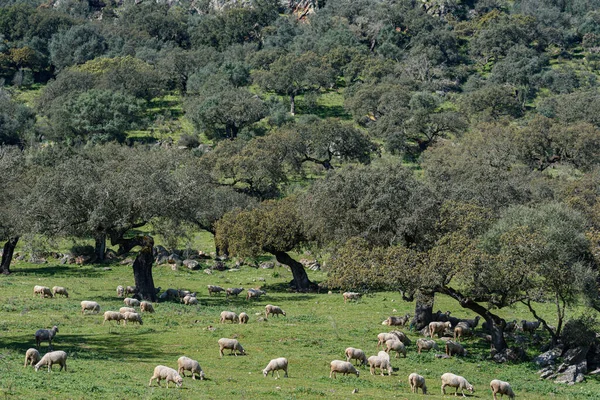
(208, 271)
(548, 358)
(267, 265)
(547, 373)
(219, 266)
(568, 376)
(576, 355)
(175, 259)
(509, 355)
(191, 264)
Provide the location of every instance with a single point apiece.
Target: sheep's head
(265, 372)
(283, 312)
(357, 372)
(202, 375)
(55, 328)
(178, 381)
(470, 388)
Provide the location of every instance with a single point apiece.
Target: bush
(82, 250)
(579, 331)
(189, 141)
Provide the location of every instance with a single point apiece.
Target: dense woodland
(425, 147)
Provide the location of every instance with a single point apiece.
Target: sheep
(32, 356)
(182, 293)
(457, 382)
(214, 289)
(43, 291)
(273, 310)
(384, 337)
(424, 344)
(169, 295)
(351, 296)
(132, 317)
(402, 337)
(120, 291)
(472, 323)
(233, 291)
(502, 388)
(231, 344)
(42, 335)
(275, 365)
(511, 326)
(356, 354)
(124, 310)
(229, 316)
(438, 327)
(455, 348)
(397, 346)
(187, 364)
(383, 354)
(146, 306)
(381, 363)
(190, 300)
(461, 330)
(243, 317)
(90, 306)
(60, 290)
(530, 326)
(254, 293)
(397, 321)
(131, 302)
(342, 367)
(113, 316)
(166, 373)
(51, 358)
(130, 289)
(416, 381)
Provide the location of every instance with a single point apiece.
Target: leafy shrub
(580, 331)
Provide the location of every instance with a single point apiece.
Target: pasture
(117, 362)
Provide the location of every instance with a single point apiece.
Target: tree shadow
(64, 270)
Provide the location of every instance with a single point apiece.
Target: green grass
(117, 362)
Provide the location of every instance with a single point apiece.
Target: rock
(174, 267)
(548, 358)
(233, 270)
(110, 254)
(208, 271)
(219, 266)
(129, 261)
(267, 265)
(191, 264)
(203, 255)
(175, 259)
(312, 265)
(509, 355)
(547, 373)
(562, 367)
(159, 251)
(567, 376)
(20, 257)
(582, 367)
(63, 260)
(440, 355)
(576, 355)
(595, 372)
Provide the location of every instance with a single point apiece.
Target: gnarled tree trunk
(100, 246)
(7, 254)
(142, 268)
(423, 310)
(301, 281)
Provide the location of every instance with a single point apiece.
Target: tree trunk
(301, 281)
(100, 247)
(7, 254)
(423, 310)
(142, 269)
(292, 104)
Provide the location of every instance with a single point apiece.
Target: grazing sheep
(342, 367)
(424, 344)
(233, 291)
(356, 354)
(43, 291)
(130, 289)
(182, 293)
(455, 348)
(231, 344)
(416, 381)
(462, 329)
(383, 354)
(273, 310)
(146, 306)
(32, 356)
(90, 306)
(42, 335)
(190, 300)
(457, 382)
(502, 388)
(530, 326)
(379, 362)
(438, 327)
(254, 293)
(402, 337)
(120, 291)
(131, 302)
(166, 373)
(169, 295)
(124, 310)
(214, 289)
(275, 365)
(53, 357)
(397, 346)
(397, 321)
(132, 317)
(243, 318)
(113, 316)
(229, 316)
(351, 296)
(60, 290)
(187, 364)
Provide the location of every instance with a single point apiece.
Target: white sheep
(43, 291)
(397, 346)
(60, 290)
(232, 344)
(456, 381)
(356, 354)
(254, 293)
(379, 362)
(132, 317)
(275, 365)
(32, 356)
(384, 337)
(233, 291)
(182, 293)
(146, 306)
(438, 327)
(402, 337)
(229, 316)
(190, 300)
(120, 291)
(351, 296)
(273, 310)
(166, 373)
(342, 367)
(214, 289)
(90, 306)
(124, 310)
(462, 329)
(455, 348)
(187, 364)
(502, 388)
(53, 357)
(416, 381)
(130, 289)
(113, 316)
(131, 302)
(243, 318)
(425, 344)
(42, 335)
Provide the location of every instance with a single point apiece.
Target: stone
(233, 270)
(267, 265)
(568, 376)
(175, 259)
(582, 367)
(547, 358)
(129, 261)
(191, 264)
(547, 373)
(219, 266)
(208, 271)
(576, 355)
(174, 267)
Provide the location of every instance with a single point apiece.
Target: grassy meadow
(117, 362)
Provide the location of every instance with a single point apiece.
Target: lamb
(351, 296)
(60, 290)
(214, 289)
(229, 316)
(356, 354)
(243, 318)
(342, 367)
(530, 326)
(131, 302)
(381, 363)
(397, 321)
(187, 364)
(502, 388)
(273, 310)
(457, 382)
(51, 358)
(233, 291)
(455, 348)
(166, 373)
(416, 381)
(231, 344)
(43, 291)
(146, 306)
(424, 344)
(90, 306)
(461, 330)
(124, 310)
(275, 365)
(132, 317)
(120, 291)
(190, 300)
(254, 293)
(42, 335)
(113, 316)
(397, 346)
(32, 356)
(438, 327)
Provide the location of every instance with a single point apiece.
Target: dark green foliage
(580, 331)
(16, 121)
(76, 46)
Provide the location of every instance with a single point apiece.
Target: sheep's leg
(286, 374)
(444, 389)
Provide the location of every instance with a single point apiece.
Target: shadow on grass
(65, 270)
